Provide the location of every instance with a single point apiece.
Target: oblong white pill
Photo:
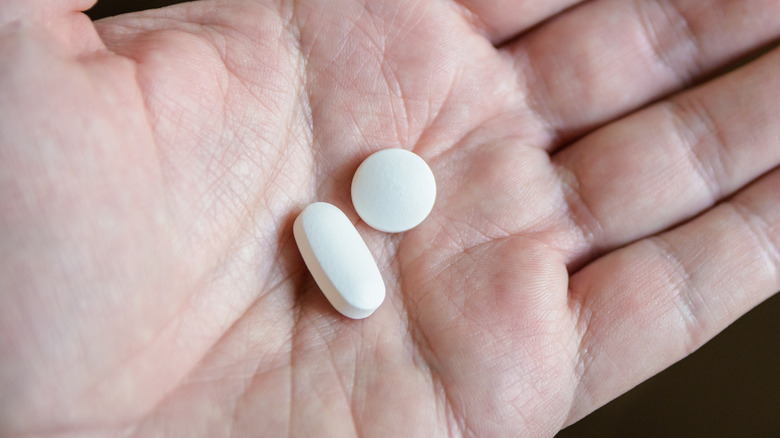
(393, 190)
(339, 260)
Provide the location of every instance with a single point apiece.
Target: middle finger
(671, 161)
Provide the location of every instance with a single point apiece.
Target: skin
(607, 202)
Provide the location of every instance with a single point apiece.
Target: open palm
(151, 167)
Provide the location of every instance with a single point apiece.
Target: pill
(339, 260)
(393, 190)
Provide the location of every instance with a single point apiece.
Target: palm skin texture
(607, 202)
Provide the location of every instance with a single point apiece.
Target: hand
(583, 238)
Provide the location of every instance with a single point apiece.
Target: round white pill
(393, 190)
(339, 260)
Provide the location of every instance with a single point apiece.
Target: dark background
(729, 388)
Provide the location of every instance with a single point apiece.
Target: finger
(500, 20)
(609, 57)
(12, 10)
(62, 18)
(671, 161)
(646, 306)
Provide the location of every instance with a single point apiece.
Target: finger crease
(762, 230)
(578, 210)
(531, 79)
(584, 355)
(675, 23)
(695, 125)
(471, 17)
(684, 291)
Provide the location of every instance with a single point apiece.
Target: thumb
(63, 19)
